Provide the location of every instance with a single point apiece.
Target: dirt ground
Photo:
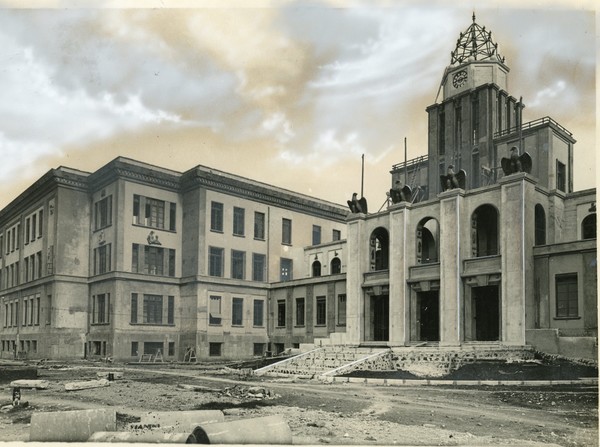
(319, 413)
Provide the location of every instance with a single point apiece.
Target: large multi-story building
(134, 258)
(507, 258)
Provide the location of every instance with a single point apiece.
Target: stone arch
(540, 225)
(316, 268)
(335, 266)
(379, 249)
(484, 231)
(588, 227)
(428, 235)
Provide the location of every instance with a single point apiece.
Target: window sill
(153, 324)
(262, 239)
(299, 326)
(238, 235)
(100, 324)
(320, 325)
(97, 229)
(262, 326)
(280, 327)
(567, 318)
(216, 231)
(237, 325)
(340, 325)
(215, 324)
(150, 227)
(288, 244)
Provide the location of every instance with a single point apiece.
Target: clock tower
(475, 105)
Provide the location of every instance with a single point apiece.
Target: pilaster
(357, 264)
(451, 286)
(399, 304)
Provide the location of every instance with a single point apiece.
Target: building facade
(136, 259)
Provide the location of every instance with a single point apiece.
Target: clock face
(459, 79)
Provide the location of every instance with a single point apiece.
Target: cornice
(261, 194)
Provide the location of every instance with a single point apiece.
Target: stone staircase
(323, 359)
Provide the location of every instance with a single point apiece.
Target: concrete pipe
(181, 421)
(146, 437)
(263, 430)
(71, 426)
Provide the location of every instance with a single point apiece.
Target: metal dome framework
(475, 44)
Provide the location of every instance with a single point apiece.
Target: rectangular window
(239, 215)
(214, 349)
(567, 300)
(153, 260)
(286, 269)
(316, 235)
(341, 310)
(238, 264)
(259, 225)
(102, 257)
(173, 216)
(215, 263)
(37, 311)
(136, 209)
(216, 216)
(31, 310)
(337, 235)
(27, 230)
(171, 310)
(281, 313)
(134, 349)
(475, 120)
(258, 267)
(171, 262)
(171, 352)
(153, 305)
(259, 349)
(154, 213)
(41, 223)
(237, 312)
(286, 231)
(102, 213)
(321, 310)
(299, 311)
(38, 264)
(134, 308)
(26, 269)
(214, 316)
(258, 319)
(561, 176)
(442, 133)
(25, 312)
(458, 128)
(135, 248)
(100, 308)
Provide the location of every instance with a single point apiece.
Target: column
(356, 264)
(399, 253)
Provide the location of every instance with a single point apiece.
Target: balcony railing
(530, 125)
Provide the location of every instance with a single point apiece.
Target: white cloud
(278, 125)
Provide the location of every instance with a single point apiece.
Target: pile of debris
(253, 392)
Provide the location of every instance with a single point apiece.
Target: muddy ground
(319, 413)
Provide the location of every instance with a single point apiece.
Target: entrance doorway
(428, 311)
(380, 317)
(486, 313)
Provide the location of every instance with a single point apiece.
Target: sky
(291, 93)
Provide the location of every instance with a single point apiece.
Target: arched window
(427, 241)
(588, 227)
(540, 225)
(484, 231)
(379, 249)
(316, 268)
(336, 266)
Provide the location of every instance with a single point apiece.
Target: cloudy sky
(290, 93)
